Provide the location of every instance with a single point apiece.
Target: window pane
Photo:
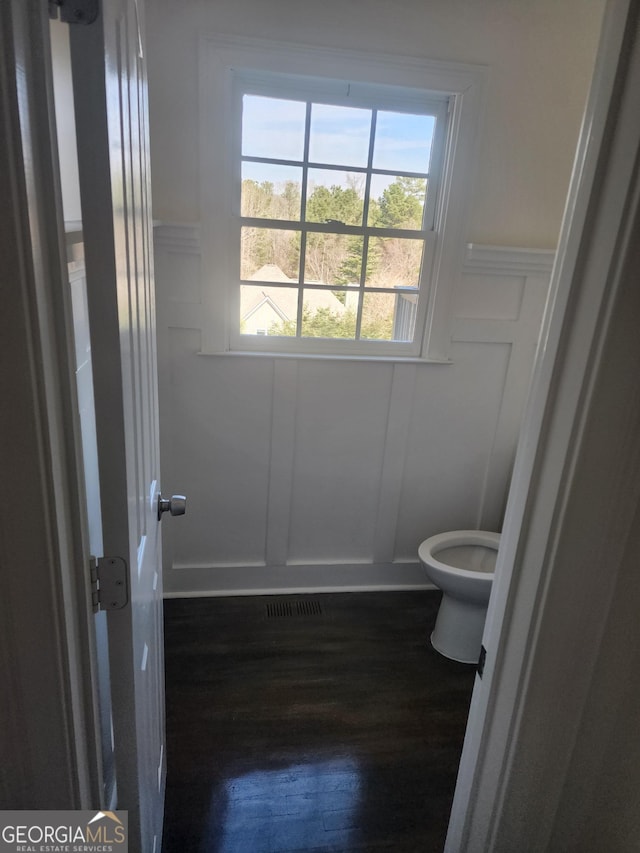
(333, 259)
(272, 192)
(335, 195)
(388, 316)
(269, 254)
(403, 142)
(339, 135)
(268, 310)
(396, 202)
(394, 262)
(272, 127)
(325, 316)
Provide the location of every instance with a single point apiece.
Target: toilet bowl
(461, 563)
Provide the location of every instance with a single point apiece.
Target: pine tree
(401, 203)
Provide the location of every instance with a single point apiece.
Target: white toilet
(461, 564)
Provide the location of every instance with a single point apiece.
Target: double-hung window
(328, 202)
(338, 196)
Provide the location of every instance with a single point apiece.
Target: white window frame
(224, 60)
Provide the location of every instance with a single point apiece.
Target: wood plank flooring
(290, 729)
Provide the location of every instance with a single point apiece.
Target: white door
(110, 91)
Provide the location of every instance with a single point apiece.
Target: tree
(396, 260)
(401, 203)
(269, 245)
(330, 257)
(291, 200)
(376, 323)
(335, 258)
(338, 203)
(267, 200)
(322, 323)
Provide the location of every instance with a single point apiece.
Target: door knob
(176, 505)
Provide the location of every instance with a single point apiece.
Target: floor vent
(279, 609)
(309, 608)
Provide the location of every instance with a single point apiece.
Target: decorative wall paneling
(318, 474)
(519, 280)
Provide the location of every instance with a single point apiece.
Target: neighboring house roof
(269, 272)
(284, 300)
(264, 300)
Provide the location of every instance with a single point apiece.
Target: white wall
(317, 474)
(306, 473)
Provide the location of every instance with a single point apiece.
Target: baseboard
(203, 581)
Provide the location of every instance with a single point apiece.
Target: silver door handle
(176, 505)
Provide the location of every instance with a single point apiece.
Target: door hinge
(74, 11)
(481, 660)
(109, 583)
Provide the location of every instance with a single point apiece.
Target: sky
(274, 127)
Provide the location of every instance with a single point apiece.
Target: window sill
(385, 359)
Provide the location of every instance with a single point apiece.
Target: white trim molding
(178, 236)
(225, 580)
(505, 260)
(501, 260)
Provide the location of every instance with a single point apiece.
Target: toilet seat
(461, 563)
(431, 547)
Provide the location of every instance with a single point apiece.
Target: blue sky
(274, 127)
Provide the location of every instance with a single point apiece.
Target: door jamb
(46, 595)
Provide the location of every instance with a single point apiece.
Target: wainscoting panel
(341, 425)
(217, 448)
(306, 474)
(450, 442)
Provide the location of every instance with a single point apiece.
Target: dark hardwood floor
(293, 730)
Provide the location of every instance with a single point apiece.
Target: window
(330, 202)
(337, 210)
